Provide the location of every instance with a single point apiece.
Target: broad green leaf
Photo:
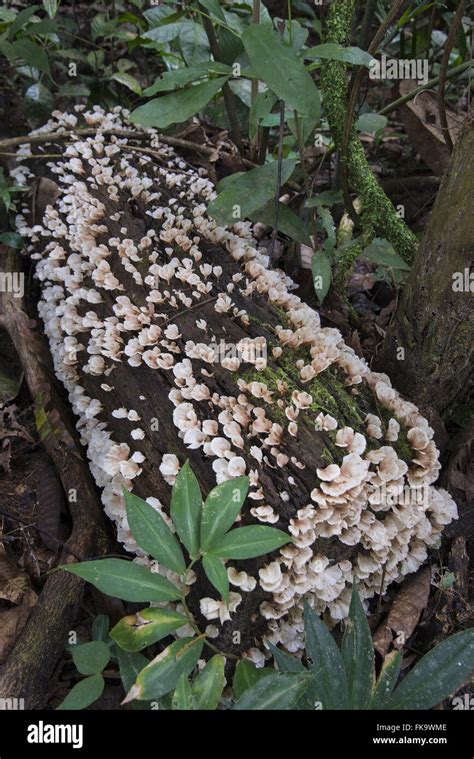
(171, 80)
(137, 631)
(83, 694)
(249, 191)
(371, 122)
(322, 274)
(130, 665)
(220, 510)
(90, 658)
(326, 198)
(214, 9)
(32, 53)
(163, 33)
(247, 674)
(128, 81)
(186, 509)
(21, 20)
(249, 542)
(358, 655)
(7, 15)
(178, 106)
(193, 42)
(275, 692)
(382, 252)
(335, 52)
(325, 222)
(439, 673)
(278, 65)
(153, 534)
(125, 580)
(161, 675)
(288, 222)
(209, 684)
(216, 574)
(288, 664)
(325, 663)
(386, 680)
(183, 699)
(260, 108)
(100, 627)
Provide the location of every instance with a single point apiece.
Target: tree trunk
(429, 347)
(139, 290)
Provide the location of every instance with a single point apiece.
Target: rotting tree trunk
(137, 284)
(429, 348)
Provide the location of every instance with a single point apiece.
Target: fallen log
(175, 340)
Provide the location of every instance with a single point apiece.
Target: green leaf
(51, 7)
(186, 509)
(214, 9)
(386, 680)
(137, 631)
(216, 574)
(439, 673)
(83, 694)
(278, 65)
(21, 20)
(221, 508)
(261, 107)
(382, 252)
(247, 674)
(358, 655)
(275, 692)
(371, 122)
(128, 81)
(9, 387)
(183, 699)
(209, 684)
(334, 52)
(193, 42)
(247, 192)
(100, 627)
(32, 53)
(125, 580)
(171, 80)
(7, 15)
(290, 664)
(325, 663)
(322, 274)
(288, 222)
(90, 658)
(249, 542)
(153, 534)
(161, 675)
(130, 665)
(178, 106)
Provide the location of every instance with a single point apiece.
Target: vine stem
(443, 71)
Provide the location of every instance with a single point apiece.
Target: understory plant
(190, 672)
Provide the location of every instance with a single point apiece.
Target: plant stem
(443, 71)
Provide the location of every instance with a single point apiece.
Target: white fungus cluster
(94, 327)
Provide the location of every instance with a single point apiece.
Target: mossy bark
(379, 215)
(429, 348)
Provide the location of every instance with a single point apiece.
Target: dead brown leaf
(405, 612)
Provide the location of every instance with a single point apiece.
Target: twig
(255, 145)
(443, 70)
(454, 72)
(278, 182)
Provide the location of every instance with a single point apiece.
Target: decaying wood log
(176, 340)
(28, 669)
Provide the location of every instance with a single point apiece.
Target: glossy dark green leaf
(358, 655)
(100, 627)
(247, 674)
(322, 274)
(125, 580)
(178, 106)
(325, 663)
(183, 699)
(382, 252)
(334, 52)
(216, 574)
(186, 509)
(249, 542)
(209, 683)
(274, 693)
(288, 222)
(90, 658)
(163, 672)
(32, 53)
(386, 680)
(221, 508)
(83, 694)
(153, 534)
